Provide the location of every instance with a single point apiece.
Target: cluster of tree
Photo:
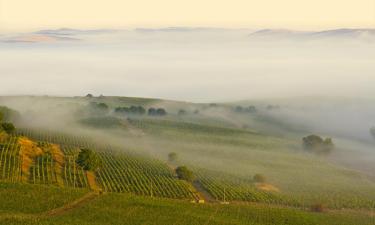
(98, 108)
(272, 107)
(184, 173)
(132, 110)
(372, 131)
(89, 160)
(315, 143)
(156, 112)
(249, 109)
(5, 116)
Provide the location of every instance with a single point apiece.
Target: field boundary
(71, 205)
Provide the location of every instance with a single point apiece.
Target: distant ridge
(343, 33)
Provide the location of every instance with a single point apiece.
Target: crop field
(121, 172)
(127, 172)
(113, 208)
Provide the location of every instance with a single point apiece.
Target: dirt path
(71, 205)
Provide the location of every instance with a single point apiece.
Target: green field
(131, 209)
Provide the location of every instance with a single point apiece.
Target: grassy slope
(25, 198)
(132, 210)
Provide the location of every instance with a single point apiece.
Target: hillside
(224, 147)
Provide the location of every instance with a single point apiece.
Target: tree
(172, 157)
(161, 112)
(238, 109)
(372, 131)
(1, 116)
(8, 127)
(151, 111)
(181, 112)
(316, 144)
(184, 173)
(259, 178)
(89, 160)
(157, 112)
(89, 96)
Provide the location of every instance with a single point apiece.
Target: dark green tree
(184, 173)
(181, 112)
(8, 127)
(172, 157)
(89, 160)
(315, 143)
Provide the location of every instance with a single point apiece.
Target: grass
(133, 210)
(26, 198)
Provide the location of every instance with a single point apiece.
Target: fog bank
(193, 65)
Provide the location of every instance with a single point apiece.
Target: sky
(297, 14)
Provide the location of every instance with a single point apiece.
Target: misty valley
(305, 160)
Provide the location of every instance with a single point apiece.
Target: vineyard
(128, 172)
(121, 172)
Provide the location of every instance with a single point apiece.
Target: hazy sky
(301, 14)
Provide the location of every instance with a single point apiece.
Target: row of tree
(103, 109)
(249, 109)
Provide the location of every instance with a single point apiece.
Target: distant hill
(277, 34)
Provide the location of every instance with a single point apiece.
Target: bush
(8, 115)
(259, 178)
(184, 173)
(89, 160)
(172, 157)
(98, 108)
(8, 127)
(182, 112)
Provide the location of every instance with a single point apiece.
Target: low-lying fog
(187, 64)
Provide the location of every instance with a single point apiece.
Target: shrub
(172, 157)
(89, 160)
(8, 127)
(259, 178)
(182, 112)
(184, 173)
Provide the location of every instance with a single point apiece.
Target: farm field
(131, 209)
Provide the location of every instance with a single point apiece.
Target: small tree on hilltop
(184, 173)
(172, 157)
(259, 178)
(89, 160)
